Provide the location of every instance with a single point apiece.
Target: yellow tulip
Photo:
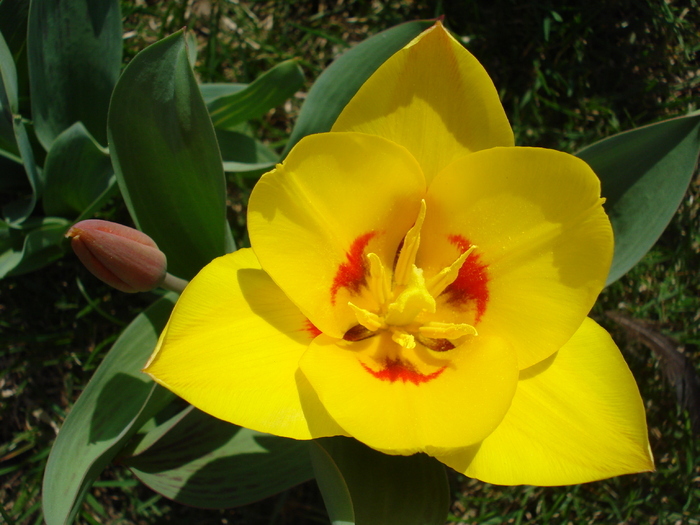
(420, 284)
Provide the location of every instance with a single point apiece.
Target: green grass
(569, 73)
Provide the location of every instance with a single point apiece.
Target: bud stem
(174, 284)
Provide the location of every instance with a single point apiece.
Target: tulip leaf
(364, 487)
(8, 101)
(114, 405)
(166, 157)
(196, 459)
(644, 174)
(75, 53)
(18, 211)
(242, 153)
(37, 243)
(340, 81)
(211, 91)
(76, 172)
(267, 91)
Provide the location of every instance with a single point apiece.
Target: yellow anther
(407, 256)
(436, 330)
(412, 301)
(378, 285)
(404, 339)
(447, 276)
(369, 320)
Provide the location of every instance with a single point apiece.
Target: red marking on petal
(471, 284)
(311, 329)
(398, 370)
(352, 274)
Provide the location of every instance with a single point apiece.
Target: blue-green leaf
(267, 91)
(644, 174)
(114, 405)
(37, 243)
(211, 91)
(76, 172)
(242, 153)
(75, 53)
(364, 487)
(336, 85)
(198, 460)
(166, 157)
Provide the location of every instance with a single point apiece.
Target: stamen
(378, 285)
(407, 257)
(369, 320)
(412, 301)
(447, 276)
(403, 338)
(436, 330)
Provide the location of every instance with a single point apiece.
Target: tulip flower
(122, 257)
(417, 282)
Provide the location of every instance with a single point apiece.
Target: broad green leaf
(18, 211)
(31, 247)
(75, 53)
(211, 91)
(382, 489)
(340, 81)
(76, 172)
(114, 405)
(8, 101)
(644, 174)
(242, 153)
(267, 91)
(198, 460)
(166, 157)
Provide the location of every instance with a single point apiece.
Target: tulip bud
(122, 257)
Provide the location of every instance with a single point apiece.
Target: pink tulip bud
(122, 257)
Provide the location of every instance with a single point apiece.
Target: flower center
(407, 301)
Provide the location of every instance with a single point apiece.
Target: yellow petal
(232, 348)
(314, 220)
(543, 244)
(434, 98)
(401, 401)
(576, 417)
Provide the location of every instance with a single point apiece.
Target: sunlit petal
(314, 219)
(434, 98)
(543, 244)
(232, 348)
(415, 400)
(576, 417)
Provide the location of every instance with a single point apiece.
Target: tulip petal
(232, 348)
(576, 417)
(544, 244)
(417, 401)
(434, 98)
(313, 220)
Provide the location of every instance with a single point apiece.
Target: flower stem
(174, 284)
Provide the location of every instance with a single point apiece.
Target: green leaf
(114, 405)
(198, 460)
(211, 91)
(8, 101)
(340, 81)
(364, 487)
(644, 174)
(31, 247)
(18, 211)
(242, 153)
(76, 172)
(75, 53)
(166, 157)
(267, 91)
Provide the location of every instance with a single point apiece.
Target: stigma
(407, 306)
